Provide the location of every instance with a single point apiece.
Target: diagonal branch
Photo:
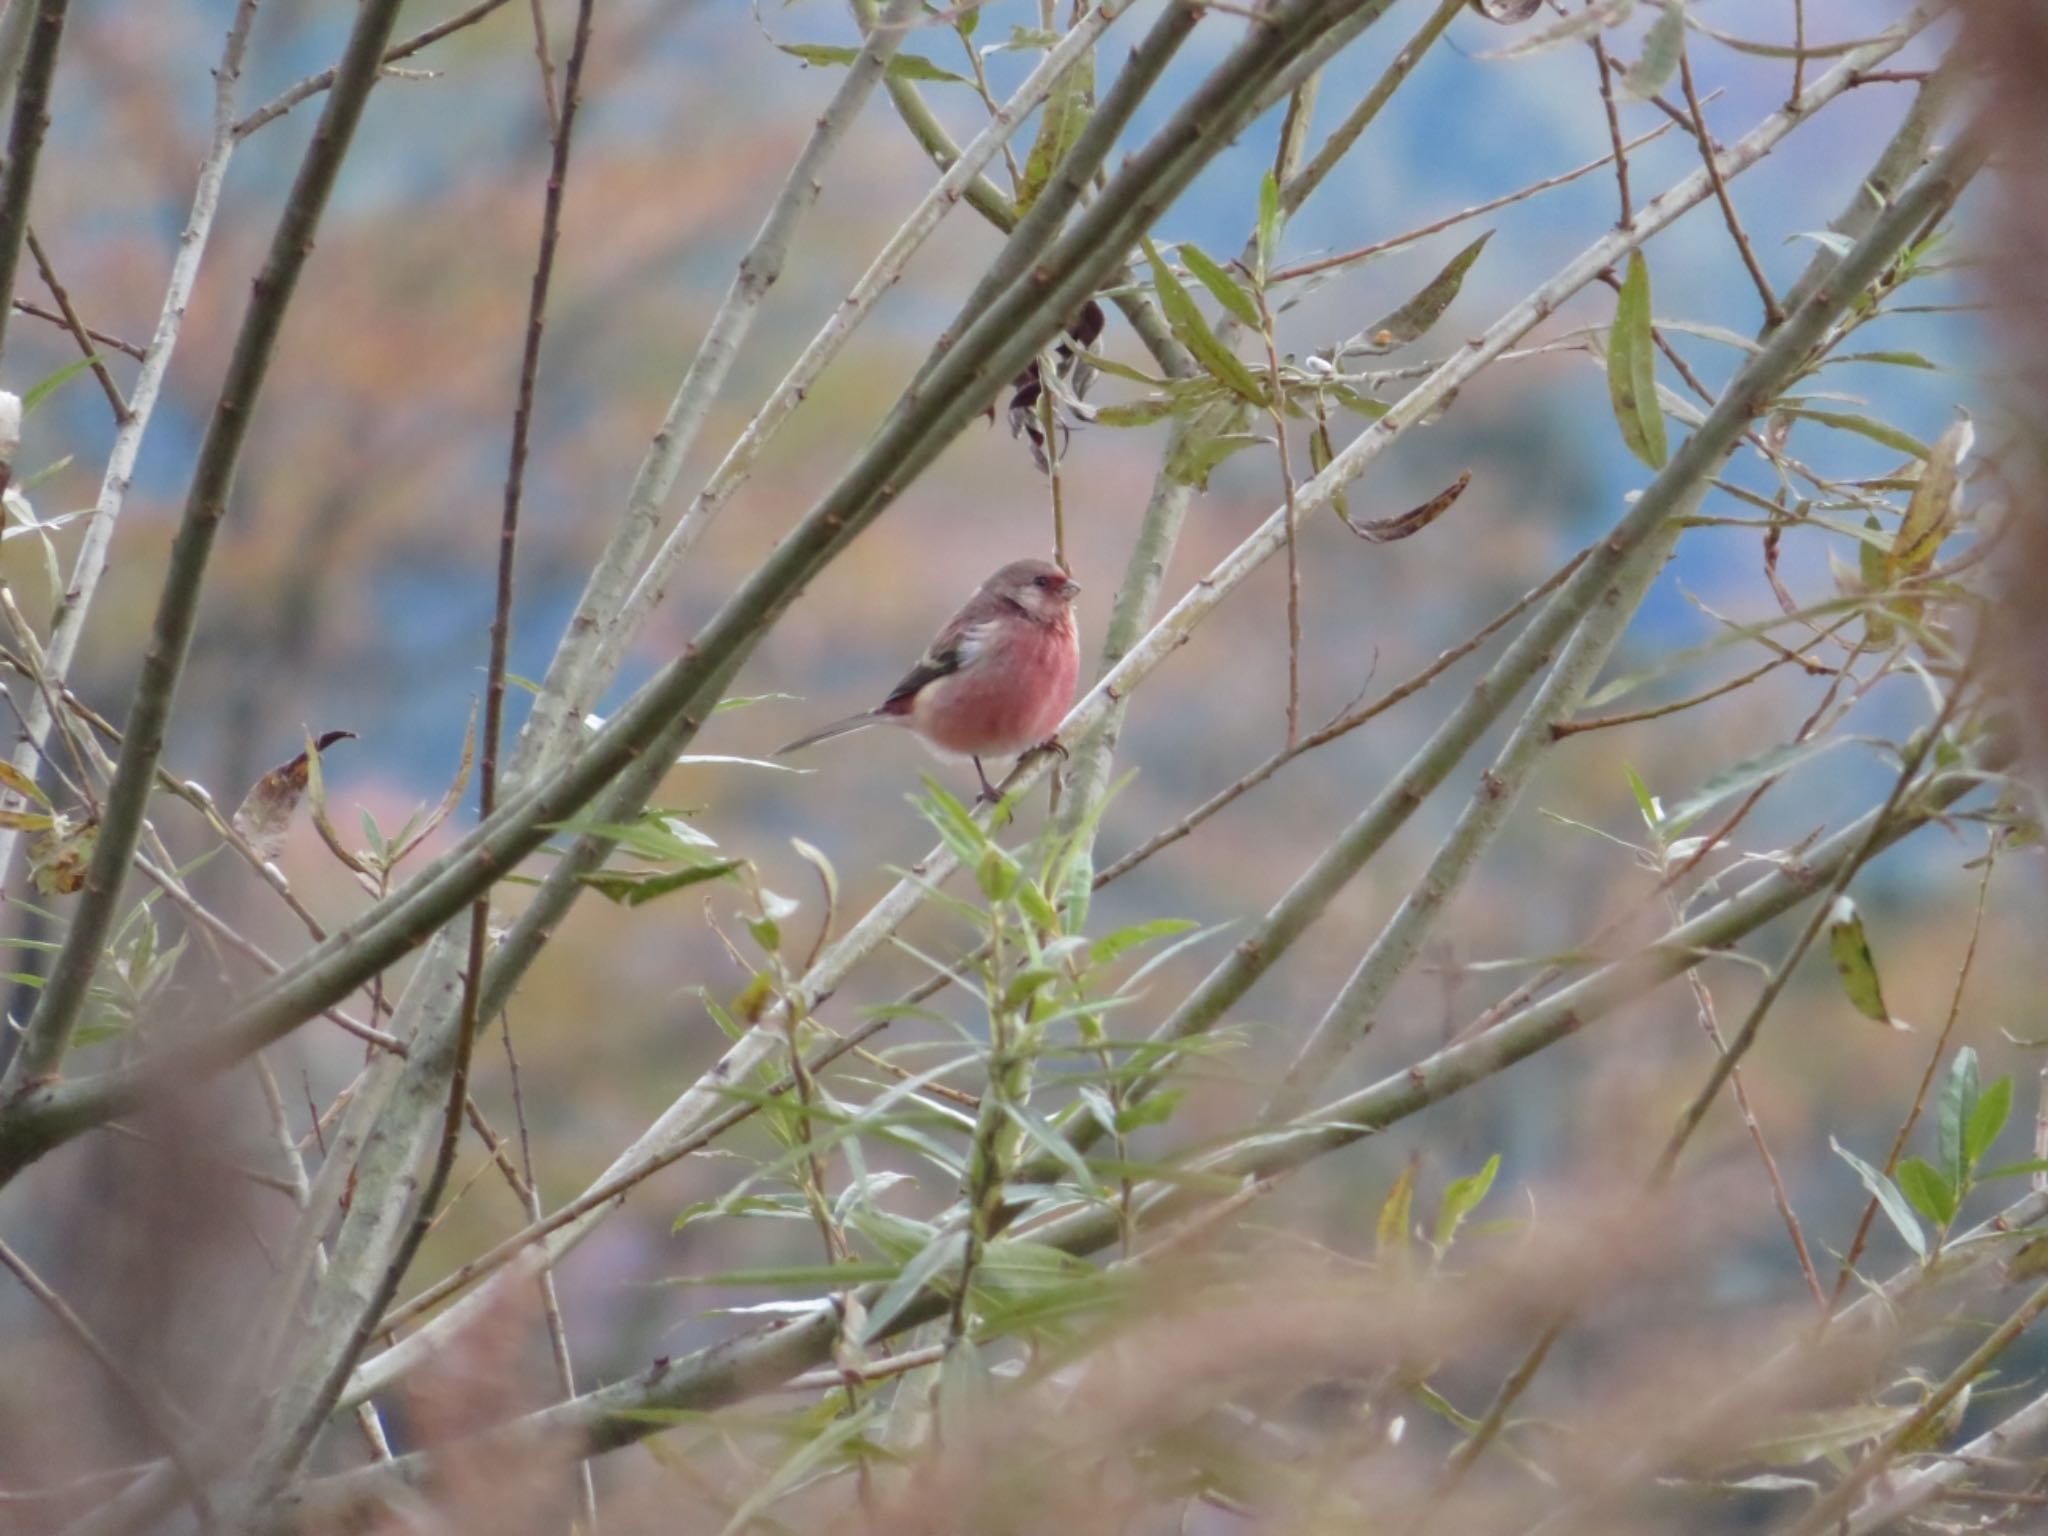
(49, 1027)
(25, 139)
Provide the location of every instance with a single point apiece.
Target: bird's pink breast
(1008, 698)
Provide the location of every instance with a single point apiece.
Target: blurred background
(352, 587)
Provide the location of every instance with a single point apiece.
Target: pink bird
(998, 679)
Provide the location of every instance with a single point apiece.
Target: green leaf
(1199, 456)
(1136, 413)
(1632, 368)
(942, 1253)
(1960, 1095)
(1662, 47)
(1863, 426)
(1060, 122)
(1413, 320)
(1114, 945)
(56, 381)
(1397, 1214)
(1932, 1195)
(904, 66)
(13, 778)
(1855, 963)
(1185, 320)
(1220, 283)
(637, 887)
(956, 827)
(1645, 801)
(1987, 1120)
(1747, 774)
(1460, 1198)
(1932, 511)
(1269, 222)
(812, 1453)
(1894, 1204)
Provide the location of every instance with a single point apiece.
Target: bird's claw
(1051, 744)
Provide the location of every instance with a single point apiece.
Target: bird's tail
(836, 728)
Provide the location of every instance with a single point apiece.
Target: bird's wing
(956, 646)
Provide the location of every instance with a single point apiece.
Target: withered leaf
(58, 860)
(265, 814)
(1412, 320)
(1389, 529)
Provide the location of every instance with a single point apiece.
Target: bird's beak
(1070, 588)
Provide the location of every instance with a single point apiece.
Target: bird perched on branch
(996, 681)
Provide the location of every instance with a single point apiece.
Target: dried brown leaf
(265, 815)
(1387, 530)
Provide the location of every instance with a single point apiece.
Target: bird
(998, 678)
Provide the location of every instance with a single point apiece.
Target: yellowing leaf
(1931, 512)
(1855, 963)
(1632, 368)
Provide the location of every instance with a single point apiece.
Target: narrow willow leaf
(1931, 512)
(14, 779)
(56, 381)
(1987, 1121)
(1060, 122)
(1662, 46)
(1632, 368)
(1864, 426)
(1958, 1103)
(1397, 1214)
(1749, 773)
(637, 887)
(941, 1254)
(1199, 456)
(904, 66)
(1137, 413)
(1603, 14)
(1461, 1198)
(1413, 320)
(1799, 1438)
(1850, 947)
(1874, 568)
(1269, 223)
(1220, 283)
(1387, 530)
(1894, 1204)
(1185, 319)
(1932, 1195)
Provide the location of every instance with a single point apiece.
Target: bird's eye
(1041, 581)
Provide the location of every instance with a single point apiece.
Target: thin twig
(1620, 155)
(1774, 314)
(153, 1412)
(313, 85)
(547, 70)
(77, 327)
(1342, 725)
(1854, 1251)
(101, 338)
(550, 1302)
(1437, 226)
(25, 140)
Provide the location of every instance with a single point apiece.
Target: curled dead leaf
(58, 860)
(1387, 530)
(265, 814)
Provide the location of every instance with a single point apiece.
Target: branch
(313, 85)
(736, 1368)
(25, 140)
(705, 1099)
(49, 1027)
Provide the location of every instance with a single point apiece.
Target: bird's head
(1039, 587)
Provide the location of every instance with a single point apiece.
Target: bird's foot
(989, 795)
(1051, 744)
